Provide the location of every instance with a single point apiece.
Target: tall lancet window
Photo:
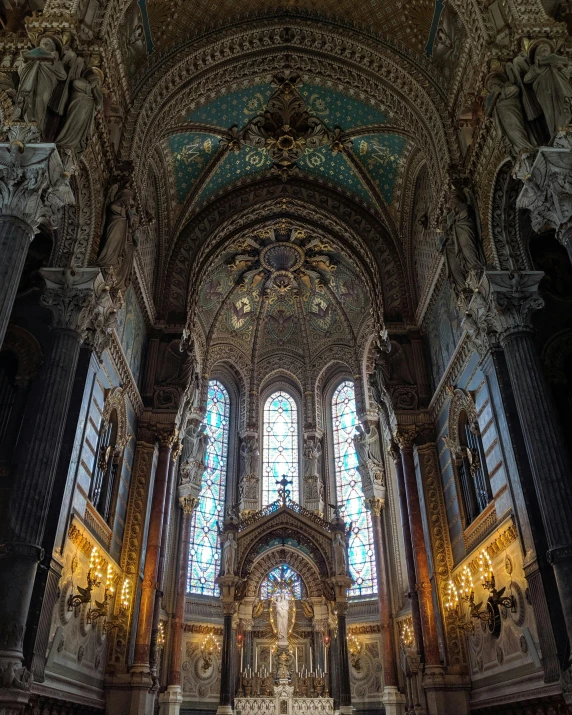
(204, 552)
(349, 491)
(279, 446)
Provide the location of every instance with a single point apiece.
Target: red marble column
(151, 568)
(387, 636)
(423, 582)
(188, 505)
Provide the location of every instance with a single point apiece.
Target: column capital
(405, 436)
(79, 300)
(188, 503)
(375, 504)
(501, 306)
(34, 185)
(167, 435)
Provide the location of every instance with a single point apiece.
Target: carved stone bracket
(547, 191)
(33, 183)
(501, 306)
(79, 301)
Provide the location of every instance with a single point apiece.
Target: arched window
(105, 469)
(204, 552)
(472, 469)
(282, 579)
(279, 446)
(349, 491)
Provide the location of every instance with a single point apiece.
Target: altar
(283, 702)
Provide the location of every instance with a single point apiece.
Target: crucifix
(283, 493)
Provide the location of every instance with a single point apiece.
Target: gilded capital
(188, 504)
(375, 505)
(405, 436)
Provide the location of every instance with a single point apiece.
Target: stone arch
(506, 222)
(27, 351)
(115, 401)
(294, 558)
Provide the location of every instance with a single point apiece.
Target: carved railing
(289, 504)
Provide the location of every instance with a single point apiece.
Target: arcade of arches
(285, 357)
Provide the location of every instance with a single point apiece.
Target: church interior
(285, 357)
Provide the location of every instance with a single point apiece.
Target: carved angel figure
(462, 246)
(86, 99)
(340, 555)
(366, 444)
(503, 103)
(249, 453)
(229, 554)
(312, 454)
(549, 75)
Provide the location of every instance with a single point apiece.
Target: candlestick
(256, 659)
(270, 659)
(310, 659)
(241, 658)
(296, 659)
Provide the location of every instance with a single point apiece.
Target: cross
(283, 493)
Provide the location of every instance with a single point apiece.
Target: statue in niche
(249, 454)
(549, 75)
(40, 71)
(340, 555)
(229, 554)
(312, 454)
(86, 99)
(120, 238)
(197, 440)
(282, 605)
(503, 103)
(461, 245)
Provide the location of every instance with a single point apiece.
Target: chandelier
(209, 647)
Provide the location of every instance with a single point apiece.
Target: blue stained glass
(349, 492)
(282, 579)
(204, 550)
(279, 446)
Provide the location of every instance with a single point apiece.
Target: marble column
(395, 454)
(318, 653)
(226, 669)
(247, 644)
(154, 655)
(334, 668)
(499, 313)
(73, 298)
(170, 701)
(539, 574)
(344, 659)
(393, 700)
(404, 438)
(32, 181)
(141, 666)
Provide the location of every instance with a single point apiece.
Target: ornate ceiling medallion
(286, 130)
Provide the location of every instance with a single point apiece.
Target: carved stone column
(405, 437)
(141, 666)
(393, 700)
(73, 298)
(547, 191)
(33, 183)
(499, 313)
(344, 662)
(395, 454)
(170, 701)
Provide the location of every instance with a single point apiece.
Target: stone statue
(366, 444)
(249, 454)
(461, 246)
(312, 454)
(229, 554)
(549, 75)
(40, 72)
(86, 99)
(198, 442)
(120, 240)
(503, 103)
(282, 611)
(340, 555)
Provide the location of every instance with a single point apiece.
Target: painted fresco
(442, 326)
(131, 333)
(383, 157)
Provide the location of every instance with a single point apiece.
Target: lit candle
(296, 659)
(325, 659)
(256, 659)
(271, 659)
(241, 658)
(310, 659)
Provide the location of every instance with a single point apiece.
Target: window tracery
(349, 491)
(204, 550)
(280, 446)
(282, 579)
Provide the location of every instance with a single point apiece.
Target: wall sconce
(490, 613)
(354, 649)
(161, 635)
(101, 608)
(94, 577)
(124, 601)
(209, 647)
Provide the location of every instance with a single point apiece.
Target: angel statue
(120, 237)
(340, 555)
(229, 554)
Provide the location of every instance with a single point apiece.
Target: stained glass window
(280, 446)
(282, 579)
(349, 491)
(204, 552)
